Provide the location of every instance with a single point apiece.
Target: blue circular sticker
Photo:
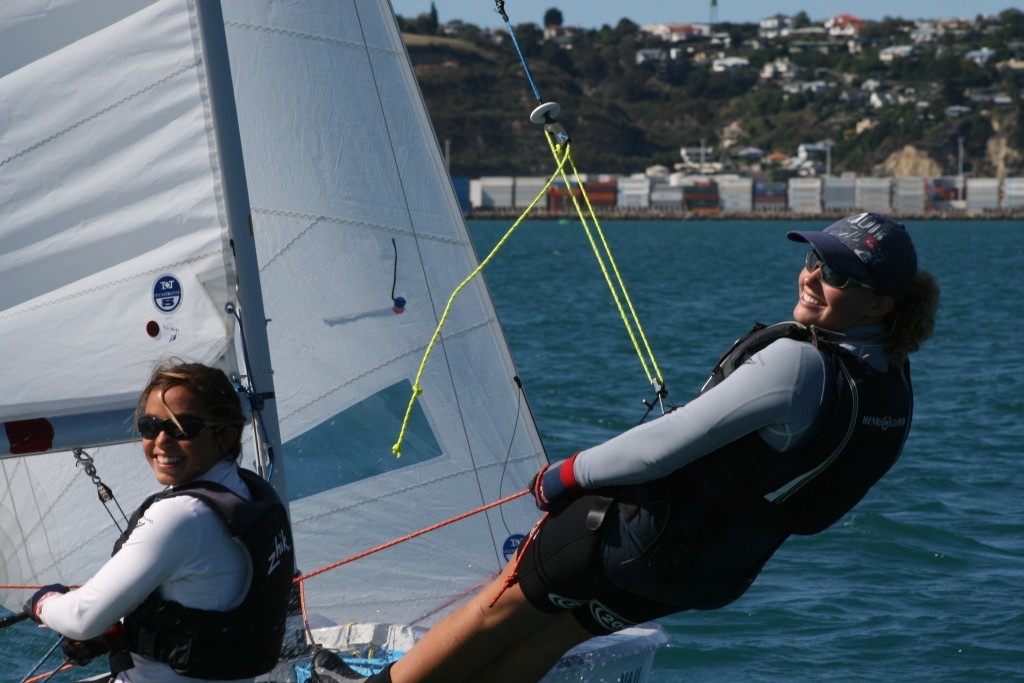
(512, 544)
(167, 293)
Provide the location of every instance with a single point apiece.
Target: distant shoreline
(680, 215)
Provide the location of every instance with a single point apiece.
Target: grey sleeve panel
(777, 393)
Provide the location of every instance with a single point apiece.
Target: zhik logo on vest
(280, 548)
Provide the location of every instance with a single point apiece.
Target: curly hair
(914, 320)
(210, 385)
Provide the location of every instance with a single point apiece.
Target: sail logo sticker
(167, 293)
(511, 545)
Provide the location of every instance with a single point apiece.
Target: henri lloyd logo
(280, 548)
(885, 422)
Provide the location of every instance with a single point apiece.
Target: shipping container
(495, 192)
(839, 194)
(770, 195)
(1013, 193)
(560, 197)
(982, 194)
(461, 187)
(736, 194)
(700, 195)
(874, 194)
(908, 195)
(804, 195)
(634, 192)
(602, 193)
(527, 189)
(666, 197)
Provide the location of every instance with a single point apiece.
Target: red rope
(513, 576)
(48, 674)
(411, 536)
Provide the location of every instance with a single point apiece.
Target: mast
(256, 347)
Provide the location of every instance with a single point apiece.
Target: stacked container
(805, 195)
(840, 194)
(874, 194)
(982, 194)
(908, 195)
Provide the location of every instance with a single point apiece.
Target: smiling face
(835, 309)
(175, 461)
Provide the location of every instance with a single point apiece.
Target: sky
(595, 13)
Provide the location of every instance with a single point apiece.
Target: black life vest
(245, 641)
(726, 513)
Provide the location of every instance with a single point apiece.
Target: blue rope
(512, 34)
(41, 661)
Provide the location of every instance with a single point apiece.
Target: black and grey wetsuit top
(779, 393)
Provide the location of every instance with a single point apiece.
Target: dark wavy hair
(210, 385)
(914, 317)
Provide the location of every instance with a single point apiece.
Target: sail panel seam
(107, 285)
(101, 112)
(290, 33)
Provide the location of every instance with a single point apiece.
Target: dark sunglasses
(831, 277)
(191, 426)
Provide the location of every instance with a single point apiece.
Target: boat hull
(623, 657)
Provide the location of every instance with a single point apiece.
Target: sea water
(924, 580)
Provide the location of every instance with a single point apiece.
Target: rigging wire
(243, 385)
(106, 495)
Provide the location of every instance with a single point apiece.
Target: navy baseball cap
(867, 246)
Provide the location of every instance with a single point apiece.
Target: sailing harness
(717, 520)
(244, 641)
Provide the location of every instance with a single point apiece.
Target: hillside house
(844, 25)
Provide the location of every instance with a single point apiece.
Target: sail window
(355, 444)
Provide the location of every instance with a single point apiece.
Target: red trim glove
(555, 486)
(33, 604)
(81, 652)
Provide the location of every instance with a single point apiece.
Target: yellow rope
(657, 379)
(417, 389)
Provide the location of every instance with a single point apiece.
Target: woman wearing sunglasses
(198, 585)
(797, 422)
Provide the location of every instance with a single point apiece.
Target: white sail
(113, 254)
(350, 199)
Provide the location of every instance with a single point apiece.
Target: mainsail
(352, 208)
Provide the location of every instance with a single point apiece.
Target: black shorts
(561, 570)
(615, 577)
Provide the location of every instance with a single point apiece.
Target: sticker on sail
(167, 293)
(512, 544)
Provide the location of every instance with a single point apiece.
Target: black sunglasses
(831, 277)
(191, 426)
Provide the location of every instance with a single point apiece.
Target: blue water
(924, 580)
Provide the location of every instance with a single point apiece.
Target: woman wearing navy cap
(796, 423)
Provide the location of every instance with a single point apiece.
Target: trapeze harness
(243, 642)
(721, 517)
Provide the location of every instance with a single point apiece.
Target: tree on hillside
(553, 17)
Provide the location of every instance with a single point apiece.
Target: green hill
(921, 107)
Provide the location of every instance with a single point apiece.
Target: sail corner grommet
(545, 113)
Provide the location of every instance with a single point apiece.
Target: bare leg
(529, 658)
(466, 643)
